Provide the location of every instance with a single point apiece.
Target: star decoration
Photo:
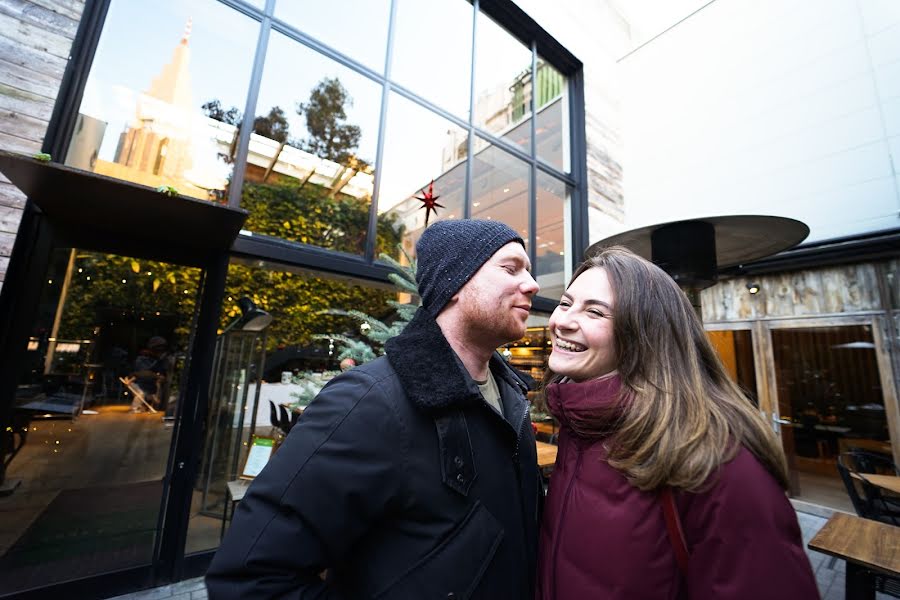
(429, 201)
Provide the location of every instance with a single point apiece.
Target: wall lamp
(753, 288)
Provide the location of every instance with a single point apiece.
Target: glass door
(92, 422)
(830, 397)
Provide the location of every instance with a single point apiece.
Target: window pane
(553, 236)
(829, 388)
(552, 117)
(357, 28)
(277, 369)
(141, 118)
(500, 189)
(502, 83)
(420, 147)
(435, 62)
(310, 168)
(102, 373)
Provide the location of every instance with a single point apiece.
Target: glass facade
(261, 373)
(93, 410)
(337, 127)
(356, 118)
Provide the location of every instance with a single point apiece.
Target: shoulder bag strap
(673, 526)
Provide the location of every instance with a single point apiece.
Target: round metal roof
(739, 238)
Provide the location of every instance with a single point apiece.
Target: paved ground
(830, 577)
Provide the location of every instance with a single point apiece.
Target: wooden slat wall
(827, 291)
(35, 39)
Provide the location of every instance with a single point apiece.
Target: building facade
(139, 256)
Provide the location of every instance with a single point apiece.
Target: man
(151, 371)
(414, 475)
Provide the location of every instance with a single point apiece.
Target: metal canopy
(93, 211)
(739, 239)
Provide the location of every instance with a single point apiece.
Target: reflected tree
(330, 136)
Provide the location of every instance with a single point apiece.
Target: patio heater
(693, 251)
(240, 354)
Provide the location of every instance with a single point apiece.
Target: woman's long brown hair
(686, 416)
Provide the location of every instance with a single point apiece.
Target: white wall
(597, 33)
(784, 107)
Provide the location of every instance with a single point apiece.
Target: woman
(668, 483)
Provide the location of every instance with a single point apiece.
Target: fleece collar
(432, 375)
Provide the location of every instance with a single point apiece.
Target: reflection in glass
(502, 84)
(310, 167)
(552, 133)
(142, 117)
(420, 147)
(829, 388)
(357, 28)
(735, 350)
(552, 235)
(435, 61)
(274, 372)
(93, 456)
(500, 189)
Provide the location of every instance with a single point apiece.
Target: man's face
(494, 304)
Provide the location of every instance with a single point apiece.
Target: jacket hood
(431, 373)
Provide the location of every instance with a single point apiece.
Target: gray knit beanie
(450, 252)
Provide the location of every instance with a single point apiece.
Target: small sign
(261, 449)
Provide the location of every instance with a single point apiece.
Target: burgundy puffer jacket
(604, 539)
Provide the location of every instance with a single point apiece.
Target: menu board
(261, 449)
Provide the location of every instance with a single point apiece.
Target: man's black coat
(401, 481)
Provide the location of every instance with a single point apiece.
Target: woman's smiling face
(581, 328)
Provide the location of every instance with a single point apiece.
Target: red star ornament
(429, 201)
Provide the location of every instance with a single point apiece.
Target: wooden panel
(41, 62)
(40, 16)
(11, 196)
(21, 77)
(17, 144)
(891, 408)
(33, 36)
(10, 218)
(68, 8)
(829, 291)
(22, 126)
(26, 103)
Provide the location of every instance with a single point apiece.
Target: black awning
(93, 211)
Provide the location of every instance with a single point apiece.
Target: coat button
(460, 478)
(458, 461)
(451, 596)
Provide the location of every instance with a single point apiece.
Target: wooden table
(866, 545)
(548, 427)
(887, 482)
(546, 454)
(235, 491)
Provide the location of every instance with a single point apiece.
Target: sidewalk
(829, 577)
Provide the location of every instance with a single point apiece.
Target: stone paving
(829, 573)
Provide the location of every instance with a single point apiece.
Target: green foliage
(167, 190)
(150, 290)
(373, 329)
(42, 156)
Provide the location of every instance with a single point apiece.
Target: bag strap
(673, 526)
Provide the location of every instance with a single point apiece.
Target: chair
(273, 418)
(285, 422)
(868, 500)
